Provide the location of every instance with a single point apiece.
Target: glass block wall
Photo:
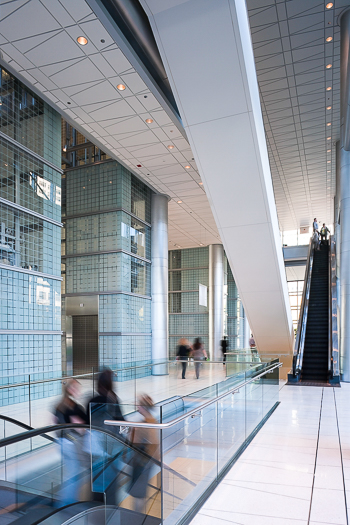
(30, 236)
(187, 269)
(106, 251)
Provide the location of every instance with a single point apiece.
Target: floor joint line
(313, 478)
(341, 457)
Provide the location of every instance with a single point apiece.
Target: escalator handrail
(5, 442)
(22, 425)
(301, 331)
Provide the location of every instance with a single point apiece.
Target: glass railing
(158, 463)
(31, 399)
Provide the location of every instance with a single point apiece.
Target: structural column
(246, 331)
(344, 198)
(216, 300)
(159, 280)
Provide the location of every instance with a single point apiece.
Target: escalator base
(314, 383)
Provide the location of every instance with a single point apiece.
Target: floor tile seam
(341, 458)
(254, 462)
(221, 519)
(265, 491)
(260, 515)
(315, 462)
(269, 483)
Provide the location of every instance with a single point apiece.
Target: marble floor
(296, 471)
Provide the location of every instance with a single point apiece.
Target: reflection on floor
(296, 471)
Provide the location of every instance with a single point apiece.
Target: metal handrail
(301, 331)
(91, 374)
(194, 411)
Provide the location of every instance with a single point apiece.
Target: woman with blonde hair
(146, 440)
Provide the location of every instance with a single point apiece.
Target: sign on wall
(203, 295)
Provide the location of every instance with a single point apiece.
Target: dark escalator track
(315, 359)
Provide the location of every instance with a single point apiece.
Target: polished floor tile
(295, 469)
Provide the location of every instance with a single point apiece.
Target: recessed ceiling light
(328, 161)
(329, 39)
(82, 40)
(179, 202)
(329, 107)
(110, 182)
(65, 148)
(329, 88)
(329, 5)
(171, 146)
(329, 123)
(149, 120)
(188, 167)
(83, 187)
(328, 138)
(328, 66)
(200, 183)
(121, 87)
(201, 244)
(328, 150)
(328, 171)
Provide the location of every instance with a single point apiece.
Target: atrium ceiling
(291, 54)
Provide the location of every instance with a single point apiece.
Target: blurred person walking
(75, 460)
(146, 441)
(183, 352)
(199, 354)
(224, 347)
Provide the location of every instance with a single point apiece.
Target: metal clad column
(344, 199)
(159, 276)
(216, 300)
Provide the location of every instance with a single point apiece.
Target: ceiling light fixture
(329, 88)
(149, 120)
(82, 40)
(179, 202)
(121, 87)
(328, 171)
(329, 5)
(329, 107)
(171, 146)
(328, 161)
(187, 167)
(201, 244)
(329, 39)
(328, 150)
(65, 148)
(200, 183)
(329, 123)
(329, 138)
(328, 66)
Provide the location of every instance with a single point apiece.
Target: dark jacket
(183, 351)
(103, 407)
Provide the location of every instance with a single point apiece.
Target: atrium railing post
(161, 470)
(29, 402)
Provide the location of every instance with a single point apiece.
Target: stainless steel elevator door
(85, 343)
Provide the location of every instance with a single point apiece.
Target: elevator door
(85, 343)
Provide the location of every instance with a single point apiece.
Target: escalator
(315, 360)
(316, 348)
